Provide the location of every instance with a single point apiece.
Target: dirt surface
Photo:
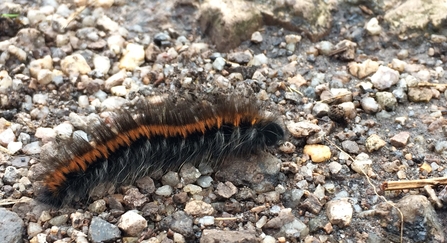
(375, 90)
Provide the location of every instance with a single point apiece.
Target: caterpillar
(158, 137)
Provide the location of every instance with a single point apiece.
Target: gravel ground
(359, 85)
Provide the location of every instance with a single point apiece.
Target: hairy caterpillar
(158, 137)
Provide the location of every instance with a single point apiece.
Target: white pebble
(7, 136)
(101, 63)
(63, 130)
(83, 101)
(14, 147)
(205, 181)
(40, 99)
(384, 78)
(373, 27)
(256, 37)
(5, 81)
(206, 220)
(45, 133)
(258, 60)
(133, 57)
(219, 63)
(44, 76)
(165, 190)
(119, 90)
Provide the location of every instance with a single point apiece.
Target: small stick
(412, 184)
(221, 219)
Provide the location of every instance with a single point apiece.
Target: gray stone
(295, 229)
(416, 15)
(227, 236)
(240, 57)
(422, 223)
(260, 172)
(182, 223)
(134, 198)
(98, 206)
(59, 220)
(11, 227)
(102, 231)
(146, 185)
(11, 175)
(171, 178)
(189, 174)
(320, 109)
(350, 147)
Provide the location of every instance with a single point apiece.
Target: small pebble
(374, 142)
(256, 37)
(226, 190)
(370, 105)
(302, 129)
(400, 140)
(193, 189)
(197, 208)
(384, 78)
(339, 212)
(317, 152)
(165, 190)
(132, 223)
(206, 220)
(373, 27)
(205, 181)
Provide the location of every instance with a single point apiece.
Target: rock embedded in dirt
(216, 235)
(364, 69)
(386, 100)
(350, 147)
(102, 231)
(374, 143)
(339, 212)
(317, 152)
(384, 78)
(226, 190)
(198, 208)
(400, 140)
(302, 129)
(12, 228)
(420, 94)
(422, 224)
(370, 105)
(132, 224)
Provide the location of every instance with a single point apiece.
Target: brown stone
(400, 139)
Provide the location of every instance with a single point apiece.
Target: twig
(412, 184)
(221, 219)
(74, 15)
(295, 90)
